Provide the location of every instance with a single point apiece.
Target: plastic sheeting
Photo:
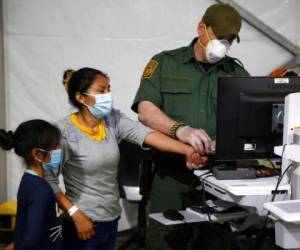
(45, 37)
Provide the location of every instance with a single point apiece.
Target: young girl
(37, 224)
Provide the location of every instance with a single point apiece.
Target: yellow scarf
(99, 135)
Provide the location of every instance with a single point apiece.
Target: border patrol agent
(177, 96)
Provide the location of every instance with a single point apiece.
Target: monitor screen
(250, 114)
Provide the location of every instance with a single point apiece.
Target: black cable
(194, 234)
(231, 236)
(204, 200)
(279, 180)
(198, 178)
(273, 166)
(283, 149)
(261, 231)
(190, 225)
(280, 177)
(221, 232)
(203, 186)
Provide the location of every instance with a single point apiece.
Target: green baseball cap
(223, 19)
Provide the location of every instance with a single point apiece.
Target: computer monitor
(250, 116)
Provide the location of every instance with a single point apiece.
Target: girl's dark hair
(29, 135)
(79, 81)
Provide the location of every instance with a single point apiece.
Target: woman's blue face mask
(103, 105)
(55, 159)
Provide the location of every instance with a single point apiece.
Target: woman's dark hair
(79, 81)
(29, 135)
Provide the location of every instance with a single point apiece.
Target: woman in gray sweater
(89, 166)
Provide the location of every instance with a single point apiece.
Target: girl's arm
(36, 213)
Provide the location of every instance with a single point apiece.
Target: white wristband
(72, 210)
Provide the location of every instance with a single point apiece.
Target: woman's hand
(10, 247)
(194, 160)
(84, 225)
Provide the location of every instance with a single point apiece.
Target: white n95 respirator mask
(216, 49)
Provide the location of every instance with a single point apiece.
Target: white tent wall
(43, 38)
(280, 15)
(3, 178)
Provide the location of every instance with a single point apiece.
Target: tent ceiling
(269, 32)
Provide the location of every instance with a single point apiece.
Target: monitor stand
(233, 172)
(241, 169)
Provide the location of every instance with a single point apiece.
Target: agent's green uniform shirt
(181, 87)
(186, 90)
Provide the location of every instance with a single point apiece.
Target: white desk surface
(288, 211)
(191, 216)
(291, 152)
(258, 186)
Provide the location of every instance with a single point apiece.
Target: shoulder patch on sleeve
(149, 69)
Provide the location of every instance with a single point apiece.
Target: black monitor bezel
(230, 88)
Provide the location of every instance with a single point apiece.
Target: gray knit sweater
(89, 167)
